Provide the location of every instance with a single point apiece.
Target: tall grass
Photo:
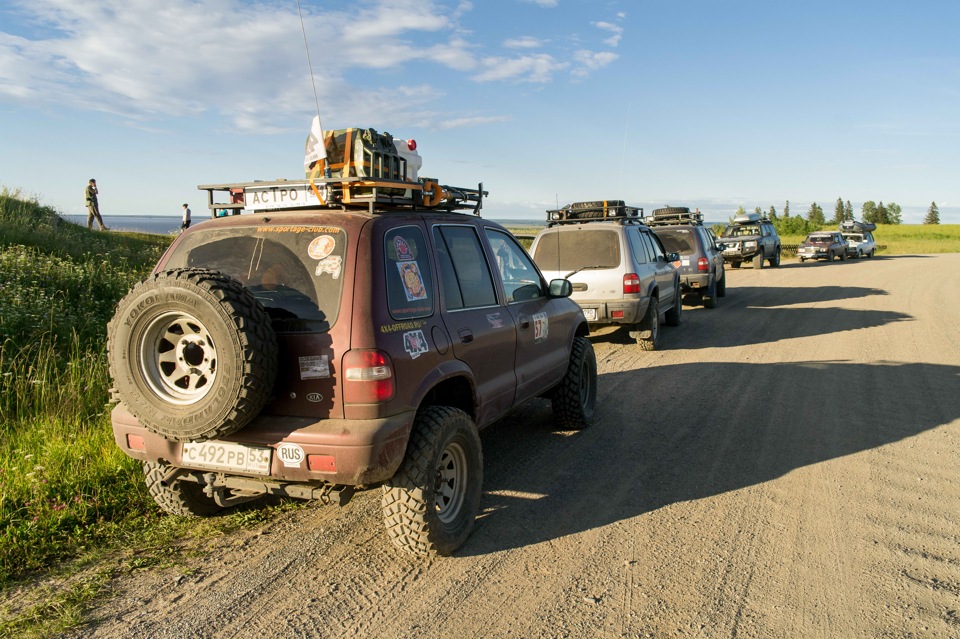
(64, 485)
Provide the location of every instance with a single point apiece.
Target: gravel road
(788, 465)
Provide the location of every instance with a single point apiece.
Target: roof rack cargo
(596, 210)
(854, 226)
(747, 218)
(674, 215)
(426, 194)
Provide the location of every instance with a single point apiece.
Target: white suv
(620, 272)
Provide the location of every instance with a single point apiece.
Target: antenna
(309, 63)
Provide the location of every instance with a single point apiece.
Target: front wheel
(648, 337)
(430, 504)
(758, 260)
(574, 399)
(775, 260)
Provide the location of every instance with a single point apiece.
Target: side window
(409, 278)
(655, 245)
(637, 246)
(521, 280)
(471, 285)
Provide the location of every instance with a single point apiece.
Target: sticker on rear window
(314, 367)
(413, 286)
(321, 246)
(415, 344)
(331, 264)
(404, 254)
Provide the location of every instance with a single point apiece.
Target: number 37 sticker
(541, 327)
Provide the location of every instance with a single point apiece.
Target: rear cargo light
(322, 463)
(631, 283)
(368, 377)
(136, 442)
(703, 264)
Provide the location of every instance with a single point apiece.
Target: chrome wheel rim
(178, 358)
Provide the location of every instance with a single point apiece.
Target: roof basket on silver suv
(598, 210)
(674, 215)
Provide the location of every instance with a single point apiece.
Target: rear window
(294, 271)
(568, 251)
(678, 241)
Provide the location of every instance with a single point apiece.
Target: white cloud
(530, 68)
(471, 121)
(588, 61)
(547, 4)
(614, 29)
(524, 42)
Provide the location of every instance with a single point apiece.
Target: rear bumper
(362, 451)
(621, 312)
(695, 282)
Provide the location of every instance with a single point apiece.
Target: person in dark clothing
(93, 207)
(185, 222)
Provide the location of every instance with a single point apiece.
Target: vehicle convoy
(701, 261)
(620, 272)
(823, 245)
(859, 238)
(751, 238)
(342, 332)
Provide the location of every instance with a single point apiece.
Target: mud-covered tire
(709, 297)
(182, 498)
(758, 260)
(670, 210)
(648, 335)
(673, 315)
(192, 354)
(430, 504)
(574, 400)
(775, 260)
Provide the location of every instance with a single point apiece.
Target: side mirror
(673, 257)
(561, 288)
(721, 246)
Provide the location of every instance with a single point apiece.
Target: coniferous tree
(758, 211)
(786, 209)
(838, 211)
(882, 214)
(933, 214)
(815, 215)
(772, 213)
(848, 211)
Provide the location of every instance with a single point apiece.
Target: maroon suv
(308, 352)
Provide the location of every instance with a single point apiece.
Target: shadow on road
(681, 445)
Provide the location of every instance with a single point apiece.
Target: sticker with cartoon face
(404, 254)
(412, 281)
(415, 343)
(321, 246)
(331, 264)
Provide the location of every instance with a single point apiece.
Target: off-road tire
(192, 354)
(722, 286)
(574, 400)
(430, 504)
(670, 210)
(758, 260)
(672, 317)
(775, 260)
(709, 298)
(648, 336)
(182, 498)
(843, 256)
(735, 264)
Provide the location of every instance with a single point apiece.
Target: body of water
(156, 224)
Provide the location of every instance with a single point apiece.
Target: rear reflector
(136, 442)
(322, 463)
(616, 314)
(368, 377)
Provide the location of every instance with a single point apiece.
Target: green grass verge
(905, 239)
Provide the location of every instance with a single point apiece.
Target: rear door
(483, 332)
(664, 271)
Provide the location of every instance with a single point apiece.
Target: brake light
(368, 377)
(703, 264)
(631, 283)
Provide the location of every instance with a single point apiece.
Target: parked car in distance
(312, 348)
(751, 238)
(859, 238)
(823, 245)
(620, 271)
(701, 269)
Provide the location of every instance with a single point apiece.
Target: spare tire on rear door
(192, 354)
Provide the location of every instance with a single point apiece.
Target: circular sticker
(321, 246)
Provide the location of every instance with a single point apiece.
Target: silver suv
(620, 272)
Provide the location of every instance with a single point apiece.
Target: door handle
(466, 335)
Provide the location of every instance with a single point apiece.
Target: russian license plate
(226, 456)
(590, 313)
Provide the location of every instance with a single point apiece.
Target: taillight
(631, 283)
(703, 264)
(367, 377)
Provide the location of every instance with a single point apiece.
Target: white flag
(316, 149)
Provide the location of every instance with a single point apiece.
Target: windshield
(819, 239)
(740, 231)
(294, 271)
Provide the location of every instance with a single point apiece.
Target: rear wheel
(735, 264)
(843, 256)
(574, 399)
(710, 297)
(183, 498)
(722, 286)
(648, 336)
(431, 503)
(672, 318)
(775, 260)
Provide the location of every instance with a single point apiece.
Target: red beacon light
(412, 145)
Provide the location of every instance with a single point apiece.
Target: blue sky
(707, 103)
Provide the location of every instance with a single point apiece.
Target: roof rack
(426, 194)
(594, 211)
(673, 216)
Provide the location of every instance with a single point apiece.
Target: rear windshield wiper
(583, 268)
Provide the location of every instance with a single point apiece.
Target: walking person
(185, 222)
(93, 207)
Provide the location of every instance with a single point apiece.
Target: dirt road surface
(788, 465)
